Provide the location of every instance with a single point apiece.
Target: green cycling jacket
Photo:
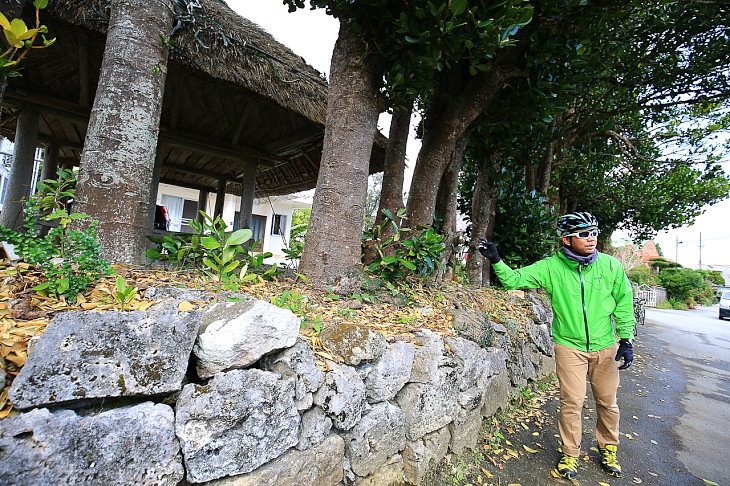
(583, 298)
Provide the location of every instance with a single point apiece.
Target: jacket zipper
(583, 302)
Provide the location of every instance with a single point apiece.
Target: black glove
(488, 250)
(625, 351)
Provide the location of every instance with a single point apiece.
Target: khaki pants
(602, 369)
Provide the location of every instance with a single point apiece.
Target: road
(696, 345)
(675, 416)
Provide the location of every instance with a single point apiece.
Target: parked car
(725, 304)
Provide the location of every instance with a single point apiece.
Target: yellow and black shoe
(609, 462)
(568, 466)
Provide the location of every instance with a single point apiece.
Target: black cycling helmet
(575, 222)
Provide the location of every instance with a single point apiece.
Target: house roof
(233, 94)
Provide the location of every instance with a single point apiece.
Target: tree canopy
(590, 105)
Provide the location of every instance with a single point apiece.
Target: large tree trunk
(119, 152)
(394, 167)
(391, 190)
(483, 212)
(332, 245)
(441, 135)
(446, 200)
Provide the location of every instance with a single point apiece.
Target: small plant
(124, 294)
(294, 301)
(398, 256)
(221, 248)
(70, 258)
(210, 248)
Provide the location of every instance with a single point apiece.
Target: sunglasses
(584, 235)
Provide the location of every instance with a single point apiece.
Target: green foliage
(664, 305)
(21, 40)
(418, 40)
(641, 275)
(221, 249)
(229, 258)
(713, 276)
(70, 258)
(683, 284)
(424, 251)
(397, 256)
(524, 227)
(124, 295)
(678, 304)
(299, 226)
(299, 305)
(180, 251)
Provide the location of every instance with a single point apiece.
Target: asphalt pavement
(675, 417)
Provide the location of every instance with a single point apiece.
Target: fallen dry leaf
(185, 306)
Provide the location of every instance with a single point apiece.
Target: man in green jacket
(585, 288)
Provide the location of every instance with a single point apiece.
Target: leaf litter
(25, 314)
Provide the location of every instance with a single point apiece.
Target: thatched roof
(233, 93)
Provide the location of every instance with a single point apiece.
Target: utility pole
(676, 250)
(700, 250)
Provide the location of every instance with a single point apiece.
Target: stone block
(133, 445)
(319, 466)
(465, 432)
(379, 434)
(342, 396)
(419, 455)
(388, 474)
(496, 394)
(93, 355)
(297, 362)
(430, 406)
(316, 426)
(385, 377)
(239, 421)
(353, 342)
(234, 335)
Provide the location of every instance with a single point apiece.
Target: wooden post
(21, 172)
(248, 188)
(154, 185)
(202, 205)
(220, 197)
(50, 161)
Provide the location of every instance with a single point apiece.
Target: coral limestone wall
(106, 400)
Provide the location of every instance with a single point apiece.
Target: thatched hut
(233, 98)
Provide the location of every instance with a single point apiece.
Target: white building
(270, 221)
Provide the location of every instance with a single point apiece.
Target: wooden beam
(79, 114)
(295, 141)
(47, 105)
(200, 172)
(216, 149)
(84, 99)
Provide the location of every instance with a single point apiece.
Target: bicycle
(639, 313)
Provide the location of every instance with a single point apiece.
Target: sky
(312, 35)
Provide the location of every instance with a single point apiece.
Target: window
(181, 211)
(278, 224)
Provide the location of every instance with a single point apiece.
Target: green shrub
(679, 282)
(641, 275)
(70, 258)
(213, 251)
(678, 305)
(399, 256)
(665, 304)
